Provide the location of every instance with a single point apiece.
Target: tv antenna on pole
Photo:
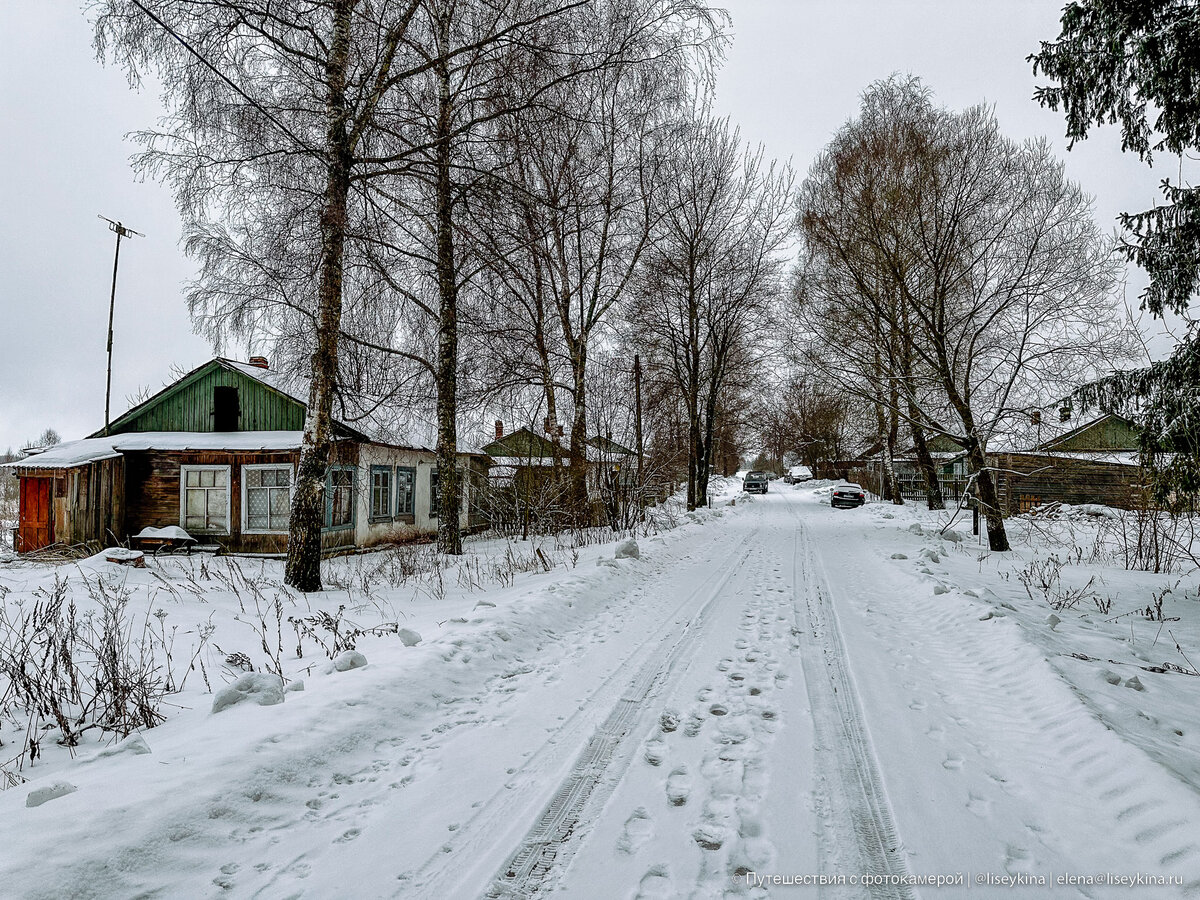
(121, 231)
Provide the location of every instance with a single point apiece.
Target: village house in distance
(215, 454)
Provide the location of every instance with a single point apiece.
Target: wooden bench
(171, 538)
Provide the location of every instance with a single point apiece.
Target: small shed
(1094, 462)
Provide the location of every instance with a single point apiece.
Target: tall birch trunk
(303, 568)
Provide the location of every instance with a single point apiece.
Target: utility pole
(121, 231)
(637, 431)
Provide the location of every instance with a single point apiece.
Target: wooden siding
(1108, 433)
(86, 504)
(1026, 480)
(152, 492)
(191, 406)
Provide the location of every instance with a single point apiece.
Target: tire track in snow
(862, 834)
(1049, 756)
(545, 849)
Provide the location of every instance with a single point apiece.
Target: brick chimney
(499, 429)
(259, 362)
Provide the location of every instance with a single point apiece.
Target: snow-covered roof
(1115, 457)
(89, 450)
(68, 455)
(374, 417)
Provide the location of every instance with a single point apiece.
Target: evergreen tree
(1137, 64)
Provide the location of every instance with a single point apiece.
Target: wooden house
(215, 453)
(530, 475)
(1095, 462)
(524, 457)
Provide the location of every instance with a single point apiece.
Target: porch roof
(73, 454)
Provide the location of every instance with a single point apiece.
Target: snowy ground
(775, 688)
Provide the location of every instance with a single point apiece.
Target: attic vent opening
(225, 408)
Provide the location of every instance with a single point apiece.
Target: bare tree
(274, 107)
(565, 244)
(981, 282)
(296, 131)
(707, 288)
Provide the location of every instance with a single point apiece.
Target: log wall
(1026, 480)
(153, 498)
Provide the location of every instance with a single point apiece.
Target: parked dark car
(847, 494)
(755, 483)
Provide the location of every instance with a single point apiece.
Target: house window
(339, 498)
(381, 493)
(266, 497)
(204, 499)
(406, 480)
(433, 494)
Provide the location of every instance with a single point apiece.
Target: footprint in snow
(656, 884)
(980, 806)
(656, 752)
(708, 837)
(679, 786)
(918, 704)
(952, 762)
(1017, 860)
(639, 828)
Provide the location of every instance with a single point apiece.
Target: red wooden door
(34, 528)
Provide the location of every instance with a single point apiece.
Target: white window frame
(183, 472)
(244, 487)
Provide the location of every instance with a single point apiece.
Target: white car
(796, 474)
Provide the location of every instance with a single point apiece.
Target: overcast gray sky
(793, 76)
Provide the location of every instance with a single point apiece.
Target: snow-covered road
(769, 693)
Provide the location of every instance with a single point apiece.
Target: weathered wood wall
(86, 504)
(89, 503)
(152, 493)
(1026, 480)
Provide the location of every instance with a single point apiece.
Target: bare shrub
(1149, 539)
(72, 671)
(1042, 580)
